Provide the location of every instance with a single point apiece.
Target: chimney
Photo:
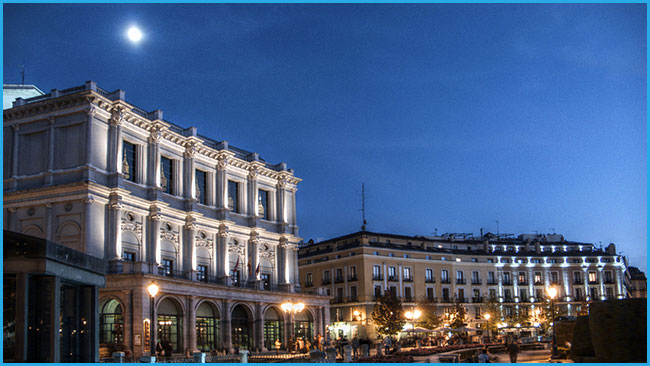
(611, 249)
(481, 232)
(537, 248)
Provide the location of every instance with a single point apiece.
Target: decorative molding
(223, 231)
(169, 235)
(156, 135)
(205, 242)
(254, 237)
(133, 226)
(222, 161)
(267, 251)
(117, 116)
(190, 149)
(236, 247)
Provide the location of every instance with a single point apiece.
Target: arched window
(240, 327)
(170, 323)
(111, 323)
(272, 328)
(304, 325)
(207, 328)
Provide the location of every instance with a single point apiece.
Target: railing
(578, 281)
(337, 300)
(408, 298)
(461, 299)
(507, 283)
(445, 280)
(408, 279)
(429, 280)
(174, 274)
(460, 281)
(476, 281)
(538, 283)
(392, 278)
(352, 278)
(377, 278)
(325, 282)
(477, 299)
(308, 284)
(522, 283)
(609, 281)
(353, 298)
(446, 300)
(338, 280)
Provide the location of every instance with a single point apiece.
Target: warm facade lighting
(153, 289)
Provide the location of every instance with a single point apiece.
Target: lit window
(202, 273)
(233, 196)
(128, 161)
(263, 204)
(200, 187)
(166, 175)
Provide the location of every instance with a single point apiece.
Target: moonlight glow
(134, 34)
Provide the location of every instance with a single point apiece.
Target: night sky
(454, 116)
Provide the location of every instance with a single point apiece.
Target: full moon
(134, 34)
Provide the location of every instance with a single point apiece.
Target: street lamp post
(153, 291)
(487, 325)
(552, 293)
(413, 316)
(291, 309)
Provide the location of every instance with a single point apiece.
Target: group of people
(164, 348)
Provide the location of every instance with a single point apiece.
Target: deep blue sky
(454, 116)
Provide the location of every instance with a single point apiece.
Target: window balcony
(478, 299)
(429, 280)
(538, 283)
(377, 277)
(593, 282)
(491, 282)
(337, 300)
(352, 278)
(445, 281)
(578, 281)
(338, 280)
(507, 282)
(353, 298)
(408, 298)
(432, 299)
(609, 281)
(326, 281)
(392, 278)
(460, 281)
(523, 283)
(476, 281)
(555, 282)
(408, 279)
(308, 284)
(461, 299)
(446, 300)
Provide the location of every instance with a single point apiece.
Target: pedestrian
(483, 357)
(513, 349)
(278, 344)
(355, 347)
(387, 343)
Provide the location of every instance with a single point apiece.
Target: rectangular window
(339, 275)
(608, 277)
(129, 256)
(326, 277)
(577, 278)
(507, 295)
(376, 272)
(445, 294)
(339, 295)
(578, 293)
(266, 281)
(393, 291)
(234, 277)
(407, 294)
(506, 278)
(523, 294)
(493, 293)
(444, 276)
(353, 293)
(429, 275)
(200, 187)
(202, 273)
(233, 196)
(460, 275)
(392, 274)
(308, 280)
(554, 277)
(407, 274)
(538, 295)
(263, 204)
(430, 293)
(609, 292)
(377, 292)
(538, 278)
(167, 267)
(476, 295)
(593, 277)
(353, 273)
(129, 166)
(490, 279)
(522, 277)
(166, 175)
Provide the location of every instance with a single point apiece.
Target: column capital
(252, 172)
(155, 135)
(117, 116)
(222, 161)
(190, 149)
(223, 231)
(51, 120)
(15, 127)
(91, 111)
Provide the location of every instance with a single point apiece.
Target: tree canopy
(387, 315)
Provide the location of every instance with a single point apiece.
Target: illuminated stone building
(356, 269)
(214, 226)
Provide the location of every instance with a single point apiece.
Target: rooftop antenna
(363, 206)
(497, 227)
(22, 74)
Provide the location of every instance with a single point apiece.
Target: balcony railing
(609, 281)
(593, 282)
(578, 281)
(461, 299)
(309, 284)
(538, 283)
(446, 300)
(491, 282)
(337, 300)
(432, 299)
(476, 281)
(445, 280)
(408, 279)
(326, 282)
(477, 299)
(353, 298)
(352, 278)
(377, 277)
(507, 282)
(338, 280)
(460, 281)
(392, 278)
(408, 298)
(430, 280)
(523, 283)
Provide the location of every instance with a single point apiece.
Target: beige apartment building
(358, 268)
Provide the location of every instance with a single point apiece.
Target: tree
(429, 318)
(387, 315)
(457, 315)
(491, 306)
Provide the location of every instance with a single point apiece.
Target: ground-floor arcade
(194, 316)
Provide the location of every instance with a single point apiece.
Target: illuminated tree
(387, 315)
(429, 318)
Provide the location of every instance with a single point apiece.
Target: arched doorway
(111, 323)
(170, 325)
(241, 327)
(273, 328)
(304, 325)
(207, 327)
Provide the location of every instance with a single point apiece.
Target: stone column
(49, 178)
(14, 158)
(89, 134)
(280, 197)
(254, 260)
(222, 183)
(399, 280)
(515, 286)
(601, 283)
(586, 279)
(296, 276)
(227, 330)
(252, 193)
(281, 259)
(189, 249)
(531, 283)
(88, 226)
(210, 189)
(500, 283)
(293, 203)
(154, 248)
(49, 222)
(115, 163)
(259, 327)
(191, 323)
(567, 284)
(619, 282)
(115, 249)
(222, 256)
(154, 157)
(190, 174)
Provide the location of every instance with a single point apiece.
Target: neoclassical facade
(214, 226)
(358, 268)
